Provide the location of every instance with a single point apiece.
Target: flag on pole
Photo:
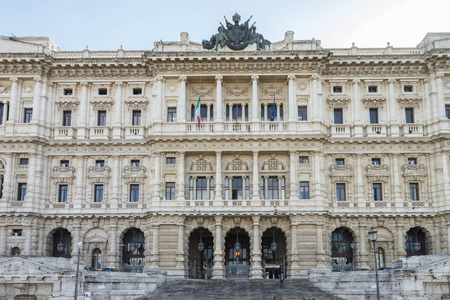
(197, 111)
(272, 116)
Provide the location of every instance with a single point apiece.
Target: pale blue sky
(136, 24)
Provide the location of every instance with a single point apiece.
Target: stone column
(112, 256)
(118, 109)
(218, 268)
(440, 97)
(80, 181)
(255, 183)
(180, 250)
(448, 233)
(83, 111)
(37, 101)
(446, 183)
(181, 179)
(155, 248)
(393, 111)
(218, 179)
(359, 180)
(292, 101)
(3, 233)
(256, 269)
(159, 99)
(255, 98)
(397, 185)
(14, 102)
(219, 99)
(400, 250)
(76, 238)
(294, 271)
(7, 183)
(428, 107)
(314, 99)
(437, 238)
(293, 158)
(317, 180)
(181, 114)
(363, 237)
(157, 179)
(31, 180)
(208, 112)
(28, 235)
(357, 111)
(321, 260)
(45, 117)
(116, 180)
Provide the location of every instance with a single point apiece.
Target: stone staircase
(240, 289)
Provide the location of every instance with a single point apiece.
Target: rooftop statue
(236, 36)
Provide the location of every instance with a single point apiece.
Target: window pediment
(414, 170)
(376, 170)
(135, 172)
(102, 102)
(373, 100)
(67, 102)
(345, 170)
(136, 102)
(337, 101)
(98, 172)
(65, 172)
(409, 99)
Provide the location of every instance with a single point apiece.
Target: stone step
(242, 289)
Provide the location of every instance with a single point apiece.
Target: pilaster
(117, 112)
(256, 267)
(218, 268)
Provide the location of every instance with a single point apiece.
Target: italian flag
(197, 111)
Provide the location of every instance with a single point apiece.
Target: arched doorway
(62, 243)
(415, 242)
(133, 251)
(96, 259)
(273, 253)
(341, 250)
(15, 251)
(237, 253)
(201, 259)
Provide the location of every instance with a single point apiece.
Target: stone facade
(104, 148)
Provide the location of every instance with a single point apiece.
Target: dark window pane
(98, 193)
(304, 189)
(101, 120)
(340, 192)
(67, 118)
(136, 118)
(170, 190)
(338, 117)
(63, 193)
(373, 112)
(134, 192)
(302, 113)
(409, 115)
(28, 115)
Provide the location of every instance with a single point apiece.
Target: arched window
(15, 251)
(381, 262)
(62, 243)
(97, 259)
(415, 242)
(341, 249)
(133, 251)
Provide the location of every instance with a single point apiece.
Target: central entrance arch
(237, 253)
(201, 259)
(273, 253)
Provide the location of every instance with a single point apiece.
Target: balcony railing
(340, 130)
(64, 132)
(412, 130)
(99, 132)
(273, 126)
(134, 132)
(237, 127)
(203, 127)
(374, 130)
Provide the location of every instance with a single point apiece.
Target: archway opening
(237, 253)
(62, 243)
(273, 247)
(201, 250)
(133, 251)
(15, 251)
(96, 259)
(342, 257)
(415, 242)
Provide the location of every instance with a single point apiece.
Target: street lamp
(201, 245)
(417, 245)
(273, 246)
(373, 237)
(237, 245)
(352, 245)
(60, 246)
(78, 268)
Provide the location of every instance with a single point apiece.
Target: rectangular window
(304, 189)
(135, 162)
(170, 160)
(409, 115)
(373, 89)
(373, 113)
(99, 163)
(134, 192)
(67, 92)
(337, 89)
(447, 112)
(408, 89)
(136, 118)
(67, 118)
(236, 188)
(171, 114)
(376, 161)
(22, 191)
(101, 119)
(377, 192)
(28, 115)
(17, 232)
(412, 161)
(338, 116)
(339, 161)
(137, 91)
(201, 188)
(103, 91)
(414, 191)
(302, 113)
(23, 161)
(98, 193)
(170, 190)
(64, 163)
(272, 188)
(63, 193)
(237, 113)
(303, 159)
(340, 192)
(2, 111)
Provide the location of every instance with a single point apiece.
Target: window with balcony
(273, 187)
(303, 159)
(373, 89)
(408, 89)
(64, 163)
(412, 161)
(68, 92)
(102, 92)
(170, 160)
(99, 163)
(27, 115)
(171, 114)
(338, 116)
(170, 190)
(67, 118)
(304, 189)
(101, 118)
(447, 111)
(98, 193)
(136, 118)
(376, 161)
(237, 113)
(63, 193)
(21, 191)
(134, 192)
(203, 113)
(23, 161)
(340, 192)
(2, 111)
(414, 191)
(302, 113)
(339, 161)
(135, 162)
(200, 189)
(137, 91)
(409, 115)
(377, 192)
(272, 113)
(373, 114)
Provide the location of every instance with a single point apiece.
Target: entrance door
(201, 257)
(237, 253)
(273, 253)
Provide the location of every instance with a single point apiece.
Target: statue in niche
(236, 36)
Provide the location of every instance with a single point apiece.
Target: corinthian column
(118, 108)
(181, 114)
(14, 102)
(393, 111)
(255, 98)
(218, 254)
(292, 100)
(219, 98)
(37, 101)
(358, 131)
(181, 181)
(159, 99)
(218, 177)
(255, 185)
(314, 99)
(293, 174)
(83, 112)
(256, 249)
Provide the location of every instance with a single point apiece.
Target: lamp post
(237, 246)
(201, 247)
(78, 268)
(121, 245)
(373, 237)
(352, 245)
(417, 245)
(60, 246)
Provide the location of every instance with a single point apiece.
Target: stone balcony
(64, 133)
(134, 132)
(99, 132)
(340, 130)
(376, 130)
(412, 130)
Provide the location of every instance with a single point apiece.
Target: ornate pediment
(373, 100)
(414, 170)
(63, 172)
(337, 101)
(67, 102)
(377, 170)
(21, 267)
(136, 102)
(201, 90)
(338, 170)
(98, 172)
(102, 102)
(4, 89)
(131, 171)
(409, 99)
(271, 90)
(95, 238)
(237, 91)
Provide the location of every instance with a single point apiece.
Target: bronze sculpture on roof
(236, 36)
